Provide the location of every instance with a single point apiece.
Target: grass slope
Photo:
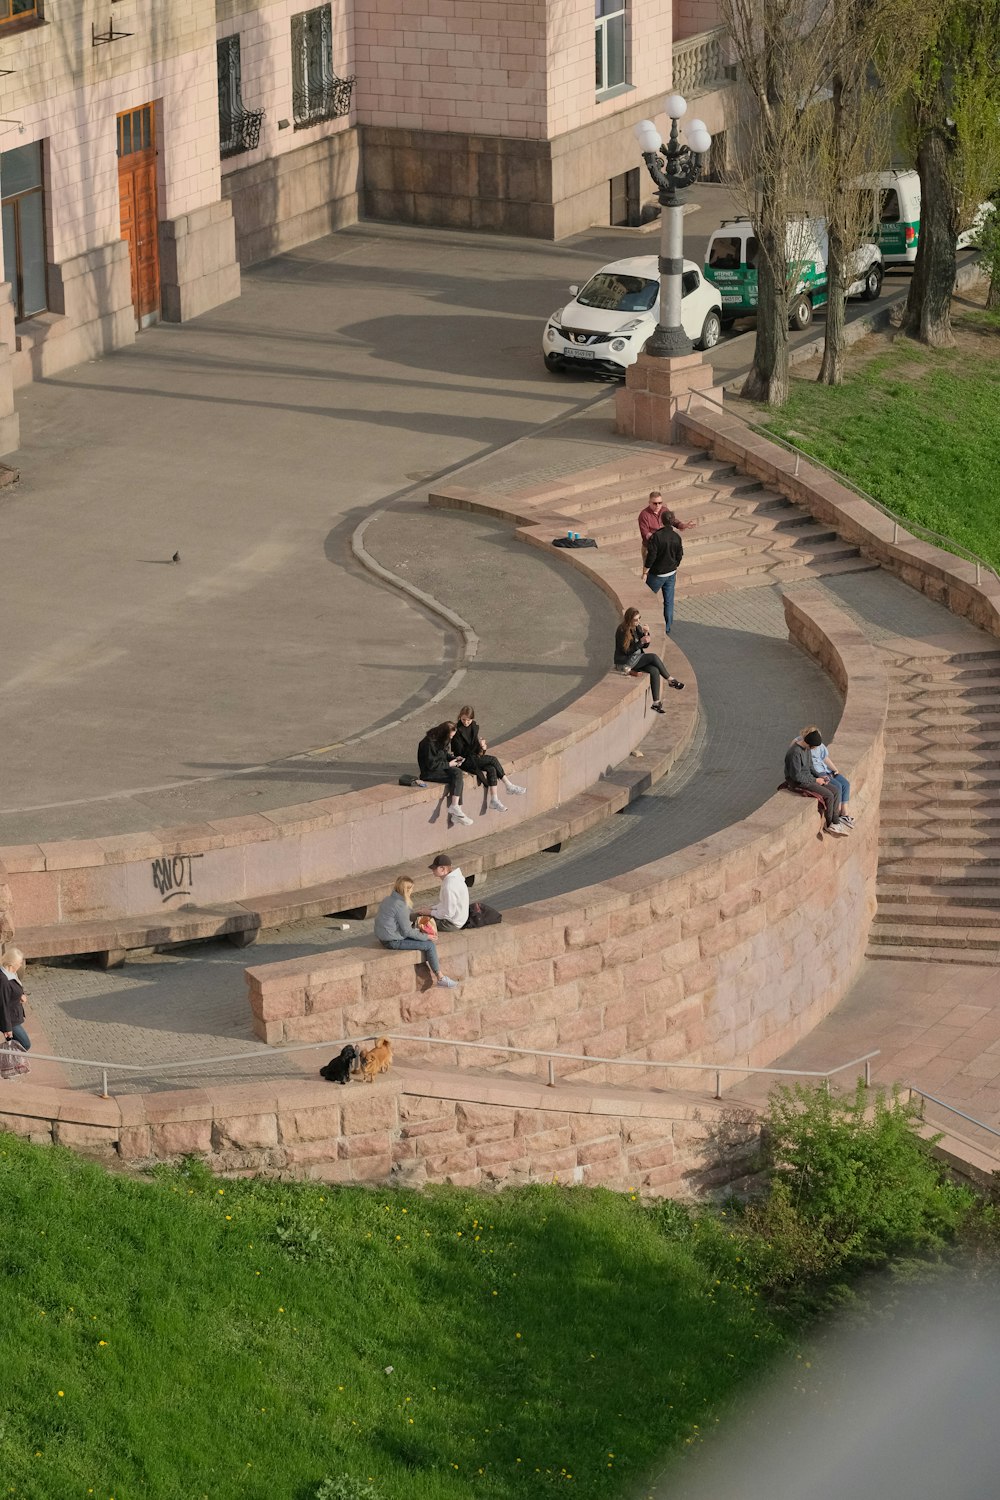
(186, 1338)
(918, 429)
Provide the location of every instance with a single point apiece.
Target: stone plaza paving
(263, 552)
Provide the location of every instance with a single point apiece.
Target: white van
(731, 264)
(897, 215)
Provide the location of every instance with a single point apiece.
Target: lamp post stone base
(656, 390)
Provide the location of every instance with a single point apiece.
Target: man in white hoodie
(451, 911)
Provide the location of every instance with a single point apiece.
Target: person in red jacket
(653, 516)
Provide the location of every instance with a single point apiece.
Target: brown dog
(378, 1060)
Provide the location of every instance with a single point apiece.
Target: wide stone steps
(946, 875)
(891, 911)
(914, 952)
(715, 521)
(938, 895)
(962, 940)
(932, 821)
(823, 564)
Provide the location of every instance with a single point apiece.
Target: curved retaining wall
(727, 951)
(295, 848)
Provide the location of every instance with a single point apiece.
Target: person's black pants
(651, 663)
(485, 765)
(831, 798)
(453, 778)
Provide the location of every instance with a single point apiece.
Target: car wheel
(553, 363)
(800, 314)
(711, 331)
(873, 282)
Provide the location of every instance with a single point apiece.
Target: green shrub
(852, 1183)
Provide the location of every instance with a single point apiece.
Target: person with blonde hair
(12, 998)
(824, 769)
(394, 929)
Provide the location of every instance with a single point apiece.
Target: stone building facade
(149, 148)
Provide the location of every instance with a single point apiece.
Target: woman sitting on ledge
(633, 657)
(438, 762)
(394, 929)
(470, 745)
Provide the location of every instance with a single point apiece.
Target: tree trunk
(831, 370)
(768, 377)
(993, 293)
(928, 307)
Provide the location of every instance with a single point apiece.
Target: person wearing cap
(822, 766)
(452, 910)
(799, 772)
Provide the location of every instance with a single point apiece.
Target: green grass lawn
(186, 1338)
(916, 428)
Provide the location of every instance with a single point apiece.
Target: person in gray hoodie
(799, 772)
(394, 929)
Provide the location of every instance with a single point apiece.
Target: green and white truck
(731, 264)
(897, 215)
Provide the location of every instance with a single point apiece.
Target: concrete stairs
(745, 535)
(939, 865)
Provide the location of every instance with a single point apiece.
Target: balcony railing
(324, 100)
(239, 132)
(701, 63)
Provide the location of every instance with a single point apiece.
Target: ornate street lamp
(672, 169)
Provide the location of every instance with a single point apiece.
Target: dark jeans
(20, 1035)
(426, 945)
(844, 785)
(452, 777)
(485, 765)
(651, 663)
(831, 798)
(666, 582)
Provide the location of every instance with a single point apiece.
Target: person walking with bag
(470, 745)
(633, 656)
(664, 553)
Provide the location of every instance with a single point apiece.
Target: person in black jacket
(799, 772)
(12, 998)
(438, 762)
(470, 745)
(664, 552)
(632, 655)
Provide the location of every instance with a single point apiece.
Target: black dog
(338, 1069)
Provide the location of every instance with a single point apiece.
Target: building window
(12, 11)
(239, 128)
(609, 44)
(23, 208)
(317, 92)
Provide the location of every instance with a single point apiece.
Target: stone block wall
(285, 200)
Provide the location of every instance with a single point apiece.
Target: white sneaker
(456, 815)
(847, 820)
(840, 829)
(444, 983)
(496, 805)
(514, 790)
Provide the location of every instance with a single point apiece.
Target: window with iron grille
(317, 92)
(239, 128)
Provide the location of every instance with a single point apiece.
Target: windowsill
(23, 23)
(317, 120)
(614, 93)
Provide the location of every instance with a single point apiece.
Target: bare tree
(781, 51)
(873, 50)
(954, 123)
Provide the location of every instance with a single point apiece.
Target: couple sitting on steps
(448, 750)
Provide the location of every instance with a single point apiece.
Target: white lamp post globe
(699, 141)
(695, 124)
(648, 136)
(674, 106)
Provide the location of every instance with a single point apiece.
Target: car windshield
(618, 293)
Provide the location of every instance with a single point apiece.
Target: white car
(609, 320)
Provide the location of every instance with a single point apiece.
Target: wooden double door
(139, 208)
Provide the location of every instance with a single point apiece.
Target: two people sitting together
(398, 925)
(449, 750)
(808, 766)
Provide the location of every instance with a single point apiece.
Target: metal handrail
(401, 1036)
(908, 525)
(923, 1095)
